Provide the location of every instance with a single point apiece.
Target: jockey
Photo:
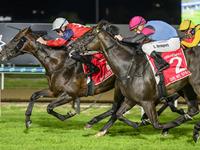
(192, 33)
(68, 33)
(163, 36)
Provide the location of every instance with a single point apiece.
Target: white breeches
(162, 46)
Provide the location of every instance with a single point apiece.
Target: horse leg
(196, 131)
(193, 109)
(77, 108)
(76, 105)
(150, 110)
(192, 100)
(35, 96)
(63, 99)
(169, 103)
(126, 105)
(118, 99)
(124, 109)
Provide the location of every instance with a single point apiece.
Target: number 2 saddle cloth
(178, 66)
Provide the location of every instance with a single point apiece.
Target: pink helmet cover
(136, 21)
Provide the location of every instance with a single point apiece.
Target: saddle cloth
(105, 71)
(178, 66)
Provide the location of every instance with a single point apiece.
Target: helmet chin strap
(62, 26)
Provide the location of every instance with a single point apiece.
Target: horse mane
(110, 29)
(107, 26)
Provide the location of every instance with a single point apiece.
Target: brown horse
(66, 79)
(137, 83)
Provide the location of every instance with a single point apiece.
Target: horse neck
(118, 56)
(49, 58)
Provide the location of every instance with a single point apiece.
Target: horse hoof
(144, 122)
(195, 137)
(88, 126)
(28, 123)
(101, 133)
(71, 114)
(165, 132)
(187, 117)
(182, 112)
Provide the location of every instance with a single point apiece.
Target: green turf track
(48, 133)
(193, 15)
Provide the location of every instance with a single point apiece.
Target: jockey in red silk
(72, 32)
(68, 33)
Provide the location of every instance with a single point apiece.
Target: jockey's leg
(161, 64)
(76, 56)
(161, 46)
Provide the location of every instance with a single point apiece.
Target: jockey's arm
(139, 38)
(67, 34)
(194, 42)
(56, 43)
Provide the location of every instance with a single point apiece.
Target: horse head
(110, 28)
(90, 40)
(23, 42)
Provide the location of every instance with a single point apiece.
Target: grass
(30, 83)
(193, 15)
(49, 133)
(25, 81)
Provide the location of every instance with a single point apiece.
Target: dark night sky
(115, 11)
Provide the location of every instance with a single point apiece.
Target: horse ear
(102, 23)
(114, 30)
(28, 29)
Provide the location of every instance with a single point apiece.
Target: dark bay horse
(141, 87)
(66, 79)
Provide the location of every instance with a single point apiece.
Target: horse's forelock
(102, 23)
(114, 30)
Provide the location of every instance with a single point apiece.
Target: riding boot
(160, 63)
(92, 68)
(87, 61)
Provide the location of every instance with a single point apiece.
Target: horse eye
(15, 40)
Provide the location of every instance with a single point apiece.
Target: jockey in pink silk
(162, 35)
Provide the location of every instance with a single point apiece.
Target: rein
(104, 49)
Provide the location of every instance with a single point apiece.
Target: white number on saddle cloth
(178, 66)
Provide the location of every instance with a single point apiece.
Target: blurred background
(89, 11)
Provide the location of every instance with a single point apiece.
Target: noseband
(21, 43)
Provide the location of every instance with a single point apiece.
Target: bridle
(98, 31)
(21, 43)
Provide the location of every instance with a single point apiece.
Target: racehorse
(137, 83)
(65, 77)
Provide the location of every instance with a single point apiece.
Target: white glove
(42, 41)
(119, 37)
